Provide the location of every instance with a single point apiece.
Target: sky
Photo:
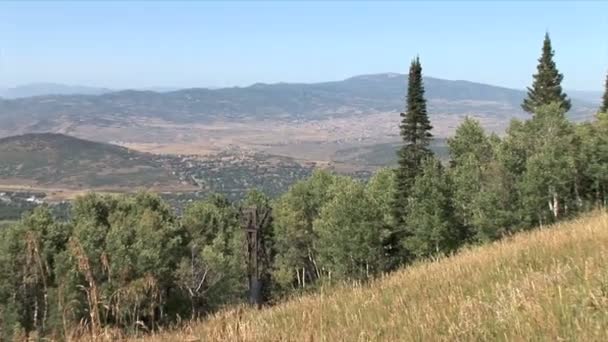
(218, 44)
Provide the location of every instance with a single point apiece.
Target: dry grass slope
(547, 285)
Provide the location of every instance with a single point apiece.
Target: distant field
(384, 154)
(547, 285)
(4, 224)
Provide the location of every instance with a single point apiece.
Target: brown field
(308, 140)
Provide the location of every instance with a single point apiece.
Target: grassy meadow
(549, 284)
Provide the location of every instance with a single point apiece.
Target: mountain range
(356, 96)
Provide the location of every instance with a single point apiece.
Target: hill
(549, 284)
(62, 161)
(57, 163)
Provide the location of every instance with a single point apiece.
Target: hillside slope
(60, 160)
(547, 285)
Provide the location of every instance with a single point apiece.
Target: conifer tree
(604, 107)
(415, 132)
(546, 87)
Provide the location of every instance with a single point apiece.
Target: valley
(192, 142)
(303, 121)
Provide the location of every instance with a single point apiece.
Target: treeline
(129, 263)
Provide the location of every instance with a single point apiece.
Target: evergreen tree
(415, 132)
(546, 87)
(604, 107)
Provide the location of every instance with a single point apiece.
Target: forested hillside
(545, 285)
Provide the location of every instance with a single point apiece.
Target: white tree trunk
(555, 205)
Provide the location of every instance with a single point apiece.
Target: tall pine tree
(546, 87)
(415, 132)
(604, 107)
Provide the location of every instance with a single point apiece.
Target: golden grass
(550, 284)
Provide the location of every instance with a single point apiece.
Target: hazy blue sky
(142, 44)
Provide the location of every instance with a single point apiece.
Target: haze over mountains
(41, 89)
(50, 88)
(47, 88)
(359, 94)
(361, 109)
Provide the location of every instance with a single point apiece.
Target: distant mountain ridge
(50, 88)
(46, 89)
(359, 95)
(590, 96)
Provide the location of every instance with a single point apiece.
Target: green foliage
(295, 239)
(470, 140)
(550, 168)
(546, 87)
(430, 225)
(380, 190)
(480, 188)
(126, 249)
(28, 254)
(351, 233)
(213, 271)
(593, 160)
